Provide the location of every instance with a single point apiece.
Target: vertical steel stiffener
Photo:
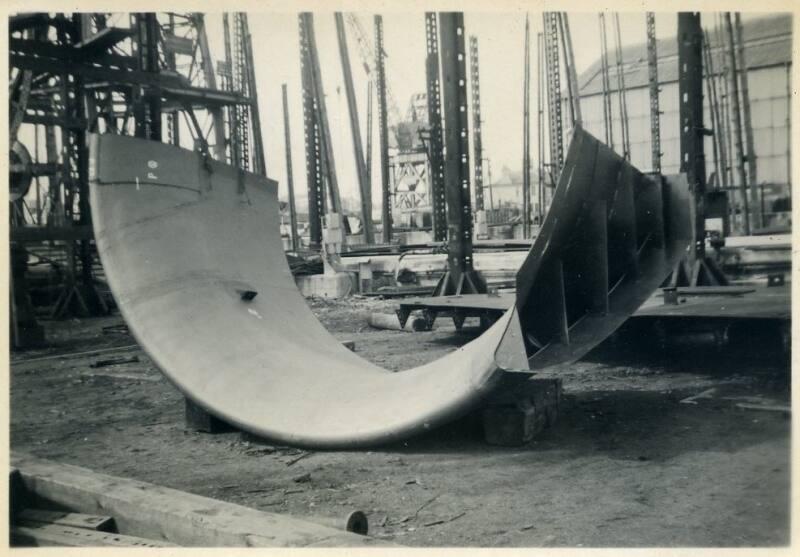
(690, 91)
(477, 143)
(652, 76)
(436, 142)
(383, 128)
(287, 136)
(460, 276)
(364, 183)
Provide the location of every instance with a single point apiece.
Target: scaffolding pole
(652, 76)
(717, 123)
(736, 121)
(526, 138)
(572, 72)
(364, 183)
(623, 104)
(289, 177)
(607, 113)
(540, 136)
(750, 152)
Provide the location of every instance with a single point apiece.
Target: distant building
(768, 54)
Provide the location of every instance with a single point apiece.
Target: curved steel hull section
(182, 238)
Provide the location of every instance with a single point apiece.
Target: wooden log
(354, 521)
(391, 322)
(163, 514)
(48, 535)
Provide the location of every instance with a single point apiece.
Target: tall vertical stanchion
(289, 177)
(460, 278)
(553, 65)
(652, 76)
(313, 140)
(383, 127)
(436, 141)
(540, 135)
(477, 142)
(526, 136)
(690, 93)
(695, 269)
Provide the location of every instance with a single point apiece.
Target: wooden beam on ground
(48, 535)
(73, 520)
(168, 515)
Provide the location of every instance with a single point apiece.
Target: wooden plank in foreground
(28, 533)
(159, 513)
(74, 520)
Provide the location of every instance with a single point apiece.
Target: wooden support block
(95, 522)
(197, 419)
(48, 535)
(520, 409)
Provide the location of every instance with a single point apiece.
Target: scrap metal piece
(177, 245)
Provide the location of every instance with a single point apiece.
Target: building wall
(769, 105)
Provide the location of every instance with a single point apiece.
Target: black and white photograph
(388, 275)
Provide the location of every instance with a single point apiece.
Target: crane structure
(368, 55)
(144, 74)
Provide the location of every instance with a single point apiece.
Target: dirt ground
(627, 464)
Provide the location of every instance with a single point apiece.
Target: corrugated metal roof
(768, 42)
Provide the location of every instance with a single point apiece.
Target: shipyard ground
(628, 464)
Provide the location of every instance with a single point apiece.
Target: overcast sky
(501, 46)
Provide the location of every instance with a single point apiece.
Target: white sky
(500, 42)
